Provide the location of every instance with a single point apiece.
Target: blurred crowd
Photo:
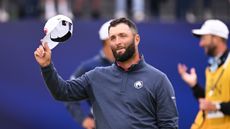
(138, 10)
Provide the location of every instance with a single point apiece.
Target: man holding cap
(214, 101)
(103, 58)
(130, 94)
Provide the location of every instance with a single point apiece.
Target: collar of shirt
(220, 60)
(216, 62)
(224, 57)
(133, 67)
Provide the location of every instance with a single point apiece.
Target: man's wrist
(195, 85)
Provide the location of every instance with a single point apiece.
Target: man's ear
(137, 39)
(216, 39)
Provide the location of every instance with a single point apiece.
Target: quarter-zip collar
(133, 67)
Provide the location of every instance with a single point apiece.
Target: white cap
(104, 30)
(57, 29)
(214, 27)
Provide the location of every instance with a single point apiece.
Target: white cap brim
(199, 32)
(49, 42)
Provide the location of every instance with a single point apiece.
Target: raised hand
(43, 55)
(206, 105)
(189, 78)
(88, 123)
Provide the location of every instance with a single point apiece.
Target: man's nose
(201, 43)
(118, 41)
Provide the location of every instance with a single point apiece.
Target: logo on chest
(138, 84)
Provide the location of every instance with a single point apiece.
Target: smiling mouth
(121, 51)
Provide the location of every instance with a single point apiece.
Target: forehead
(120, 28)
(205, 36)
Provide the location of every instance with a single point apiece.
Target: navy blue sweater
(140, 98)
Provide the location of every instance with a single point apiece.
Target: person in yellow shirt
(214, 100)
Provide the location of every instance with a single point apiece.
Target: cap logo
(61, 39)
(65, 37)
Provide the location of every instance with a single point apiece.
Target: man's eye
(112, 38)
(122, 35)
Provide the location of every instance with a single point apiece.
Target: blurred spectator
(183, 7)
(28, 8)
(4, 15)
(21, 9)
(154, 6)
(214, 99)
(137, 9)
(95, 8)
(50, 9)
(185, 10)
(207, 9)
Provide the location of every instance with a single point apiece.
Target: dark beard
(129, 52)
(211, 51)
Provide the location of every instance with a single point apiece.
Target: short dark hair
(126, 21)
